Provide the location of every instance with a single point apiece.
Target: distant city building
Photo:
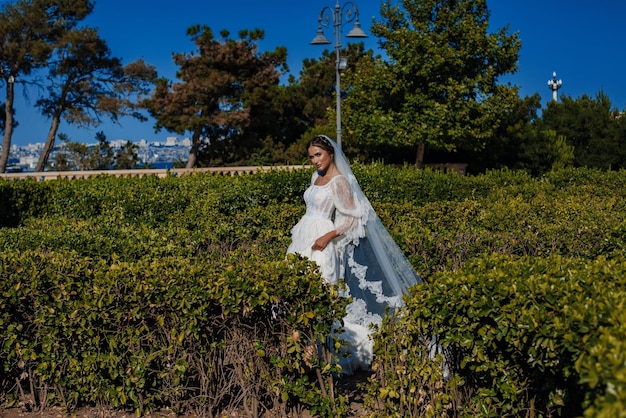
(28, 163)
(118, 143)
(151, 154)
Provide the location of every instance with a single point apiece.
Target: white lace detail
(357, 313)
(375, 287)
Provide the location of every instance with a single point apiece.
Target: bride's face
(320, 158)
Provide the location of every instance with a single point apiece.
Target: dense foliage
(592, 127)
(139, 293)
(439, 85)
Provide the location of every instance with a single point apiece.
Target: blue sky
(582, 41)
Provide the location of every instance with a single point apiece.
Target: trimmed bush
(193, 334)
(508, 336)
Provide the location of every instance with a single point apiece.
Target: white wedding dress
(365, 257)
(321, 202)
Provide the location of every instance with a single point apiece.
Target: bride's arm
(347, 214)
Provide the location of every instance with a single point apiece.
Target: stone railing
(459, 168)
(229, 171)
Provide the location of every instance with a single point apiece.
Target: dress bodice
(319, 201)
(336, 195)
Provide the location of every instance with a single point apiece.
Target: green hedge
(519, 336)
(185, 333)
(134, 269)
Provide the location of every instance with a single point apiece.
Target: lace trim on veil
(374, 287)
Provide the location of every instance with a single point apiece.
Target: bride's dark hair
(322, 142)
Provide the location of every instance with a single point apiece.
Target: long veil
(376, 269)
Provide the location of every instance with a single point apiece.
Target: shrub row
(440, 220)
(198, 334)
(153, 200)
(508, 336)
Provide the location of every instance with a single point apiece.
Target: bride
(342, 234)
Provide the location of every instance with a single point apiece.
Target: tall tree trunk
(8, 124)
(47, 148)
(195, 147)
(419, 160)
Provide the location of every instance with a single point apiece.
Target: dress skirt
(356, 332)
(304, 234)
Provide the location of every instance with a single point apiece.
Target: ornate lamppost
(339, 16)
(554, 85)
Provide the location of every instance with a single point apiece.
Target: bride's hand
(321, 243)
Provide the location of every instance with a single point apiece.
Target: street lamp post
(554, 85)
(348, 12)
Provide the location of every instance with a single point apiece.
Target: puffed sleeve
(348, 212)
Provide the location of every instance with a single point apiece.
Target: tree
(73, 156)
(86, 83)
(28, 31)
(290, 114)
(518, 128)
(314, 89)
(544, 151)
(79, 156)
(214, 98)
(592, 126)
(61, 161)
(439, 86)
(102, 154)
(127, 157)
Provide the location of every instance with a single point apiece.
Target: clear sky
(583, 41)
